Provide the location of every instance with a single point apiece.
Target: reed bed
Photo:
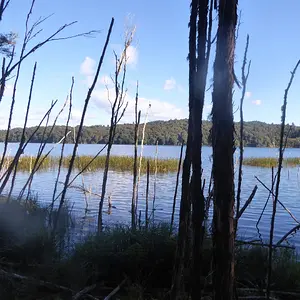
(269, 162)
(116, 163)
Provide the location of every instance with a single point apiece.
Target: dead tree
(280, 160)
(192, 193)
(118, 108)
(135, 164)
(87, 100)
(223, 149)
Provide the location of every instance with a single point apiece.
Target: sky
(156, 58)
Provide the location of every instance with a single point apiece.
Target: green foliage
(172, 132)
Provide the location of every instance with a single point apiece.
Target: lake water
(119, 188)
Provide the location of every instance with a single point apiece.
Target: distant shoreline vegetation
(172, 132)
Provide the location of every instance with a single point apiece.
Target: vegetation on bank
(117, 163)
(172, 132)
(143, 257)
(271, 162)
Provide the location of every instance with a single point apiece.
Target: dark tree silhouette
(223, 149)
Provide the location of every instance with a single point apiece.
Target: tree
(223, 149)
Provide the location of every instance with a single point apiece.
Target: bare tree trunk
(197, 198)
(280, 160)
(185, 204)
(223, 149)
(147, 194)
(117, 112)
(136, 135)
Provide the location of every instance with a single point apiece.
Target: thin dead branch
(88, 97)
(280, 159)
(176, 187)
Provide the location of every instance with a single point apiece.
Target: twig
(176, 188)
(83, 292)
(46, 284)
(283, 206)
(247, 203)
(108, 297)
(280, 159)
(240, 174)
(140, 159)
(293, 230)
(136, 134)
(147, 194)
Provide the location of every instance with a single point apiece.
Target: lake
(119, 189)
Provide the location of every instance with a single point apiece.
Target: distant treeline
(256, 134)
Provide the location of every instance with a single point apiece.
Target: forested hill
(257, 134)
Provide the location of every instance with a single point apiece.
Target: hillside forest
(172, 132)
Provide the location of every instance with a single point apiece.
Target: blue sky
(157, 58)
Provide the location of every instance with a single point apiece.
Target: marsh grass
(144, 256)
(117, 163)
(269, 162)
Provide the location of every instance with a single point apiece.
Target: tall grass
(117, 163)
(269, 162)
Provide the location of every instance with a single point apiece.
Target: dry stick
(61, 152)
(140, 159)
(292, 231)
(38, 163)
(155, 178)
(147, 194)
(108, 297)
(43, 283)
(265, 206)
(84, 291)
(283, 206)
(116, 116)
(89, 94)
(280, 159)
(247, 203)
(5, 176)
(39, 154)
(24, 129)
(253, 243)
(176, 188)
(240, 174)
(136, 134)
(83, 169)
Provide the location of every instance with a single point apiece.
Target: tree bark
(223, 149)
(197, 87)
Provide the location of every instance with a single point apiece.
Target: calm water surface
(119, 188)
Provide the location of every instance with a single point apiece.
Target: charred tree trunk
(197, 87)
(223, 149)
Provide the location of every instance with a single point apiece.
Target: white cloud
(170, 84)
(8, 92)
(132, 55)
(160, 110)
(256, 102)
(88, 66)
(248, 94)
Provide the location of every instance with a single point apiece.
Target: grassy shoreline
(269, 162)
(145, 257)
(116, 163)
